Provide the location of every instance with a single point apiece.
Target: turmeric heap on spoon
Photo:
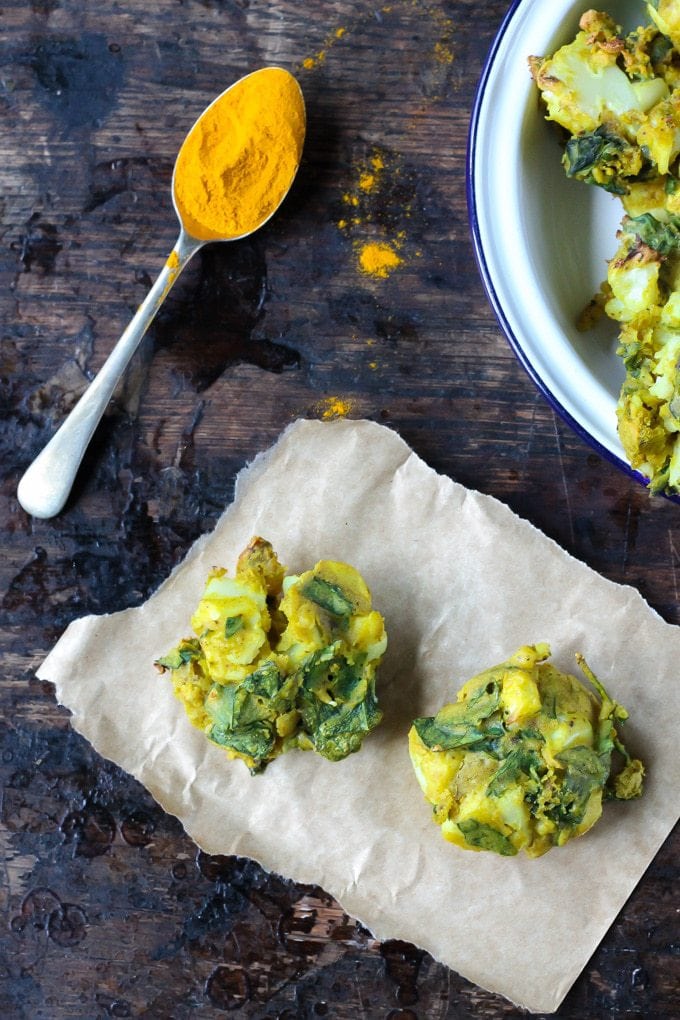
(239, 159)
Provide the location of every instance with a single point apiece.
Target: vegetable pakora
(523, 758)
(281, 661)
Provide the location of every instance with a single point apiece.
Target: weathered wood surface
(107, 907)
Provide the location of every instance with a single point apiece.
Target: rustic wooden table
(108, 908)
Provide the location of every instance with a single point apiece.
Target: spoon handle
(45, 487)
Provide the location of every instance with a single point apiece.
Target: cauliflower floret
(660, 132)
(584, 87)
(635, 287)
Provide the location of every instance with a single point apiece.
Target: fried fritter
(281, 661)
(523, 758)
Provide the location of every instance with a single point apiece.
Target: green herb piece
(459, 724)
(663, 238)
(440, 738)
(221, 704)
(338, 730)
(264, 681)
(184, 652)
(485, 837)
(337, 702)
(349, 683)
(232, 625)
(521, 761)
(328, 596)
(255, 740)
(243, 721)
(603, 158)
(586, 771)
(628, 783)
(315, 671)
(661, 46)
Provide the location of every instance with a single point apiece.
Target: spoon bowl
(209, 208)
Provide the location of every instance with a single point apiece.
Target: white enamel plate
(541, 240)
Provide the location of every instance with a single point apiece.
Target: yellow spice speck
(443, 53)
(379, 259)
(335, 407)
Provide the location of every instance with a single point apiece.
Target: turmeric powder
(377, 258)
(239, 159)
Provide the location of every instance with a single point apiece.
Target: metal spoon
(45, 487)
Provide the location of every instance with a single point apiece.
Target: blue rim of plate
(488, 283)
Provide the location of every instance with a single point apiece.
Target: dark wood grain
(108, 908)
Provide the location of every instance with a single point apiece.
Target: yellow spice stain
(310, 63)
(443, 53)
(375, 257)
(369, 174)
(378, 259)
(367, 181)
(173, 260)
(335, 407)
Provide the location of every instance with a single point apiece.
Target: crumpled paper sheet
(462, 582)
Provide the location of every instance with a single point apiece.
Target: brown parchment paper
(462, 582)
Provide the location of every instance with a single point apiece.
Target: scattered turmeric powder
(443, 52)
(239, 159)
(378, 258)
(310, 63)
(367, 181)
(334, 407)
(370, 191)
(369, 178)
